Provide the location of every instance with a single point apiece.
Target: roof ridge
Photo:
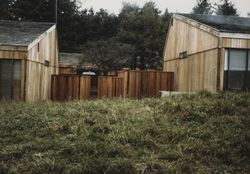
(234, 16)
(231, 24)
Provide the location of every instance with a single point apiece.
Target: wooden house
(208, 52)
(28, 58)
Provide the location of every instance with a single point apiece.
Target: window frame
(226, 71)
(12, 94)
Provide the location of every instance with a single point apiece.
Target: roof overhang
(39, 38)
(13, 47)
(234, 35)
(4, 47)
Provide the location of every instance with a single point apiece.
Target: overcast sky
(181, 6)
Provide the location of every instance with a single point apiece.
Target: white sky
(181, 6)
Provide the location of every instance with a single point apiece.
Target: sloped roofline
(22, 47)
(192, 22)
(197, 24)
(39, 38)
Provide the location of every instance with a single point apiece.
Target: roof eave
(39, 38)
(197, 24)
(13, 47)
(234, 35)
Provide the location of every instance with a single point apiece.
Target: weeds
(203, 133)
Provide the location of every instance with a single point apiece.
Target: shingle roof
(21, 33)
(231, 24)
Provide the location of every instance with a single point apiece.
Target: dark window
(46, 63)
(183, 55)
(236, 69)
(38, 47)
(10, 79)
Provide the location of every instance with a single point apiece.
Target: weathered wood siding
(38, 76)
(196, 72)
(199, 70)
(203, 69)
(235, 43)
(226, 42)
(35, 75)
(183, 36)
(10, 54)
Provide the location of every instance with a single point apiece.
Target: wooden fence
(131, 84)
(143, 84)
(70, 87)
(109, 86)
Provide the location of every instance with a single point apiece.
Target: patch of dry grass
(181, 134)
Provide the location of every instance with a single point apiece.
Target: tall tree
(144, 28)
(44, 10)
(226, 8)
(5, 9)
(108, 54)
(203, 7)
(75, 26)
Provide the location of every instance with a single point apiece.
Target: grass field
(182, 134)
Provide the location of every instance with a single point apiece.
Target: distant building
(70, 63)
(28, 58)
(208, 52)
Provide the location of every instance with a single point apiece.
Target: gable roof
(230, 24)
(17, 33)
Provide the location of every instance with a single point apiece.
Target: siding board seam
(42, 63)
(192, 54)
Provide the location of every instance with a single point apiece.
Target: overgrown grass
(181, 134)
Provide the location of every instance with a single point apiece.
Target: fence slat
(132, 84)
(70, 87)
(109, 86)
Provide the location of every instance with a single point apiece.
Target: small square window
(183, 55)
(46, 63)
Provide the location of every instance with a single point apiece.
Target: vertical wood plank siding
(16, 55)
(38, 75)
(235, 43)
(203, 69)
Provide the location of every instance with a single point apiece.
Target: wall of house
(38, 75)
(12, 54)
(199, 70)
(235, 43)
(16, 53)
(227, 42)
(196, 72)
(184, 36)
